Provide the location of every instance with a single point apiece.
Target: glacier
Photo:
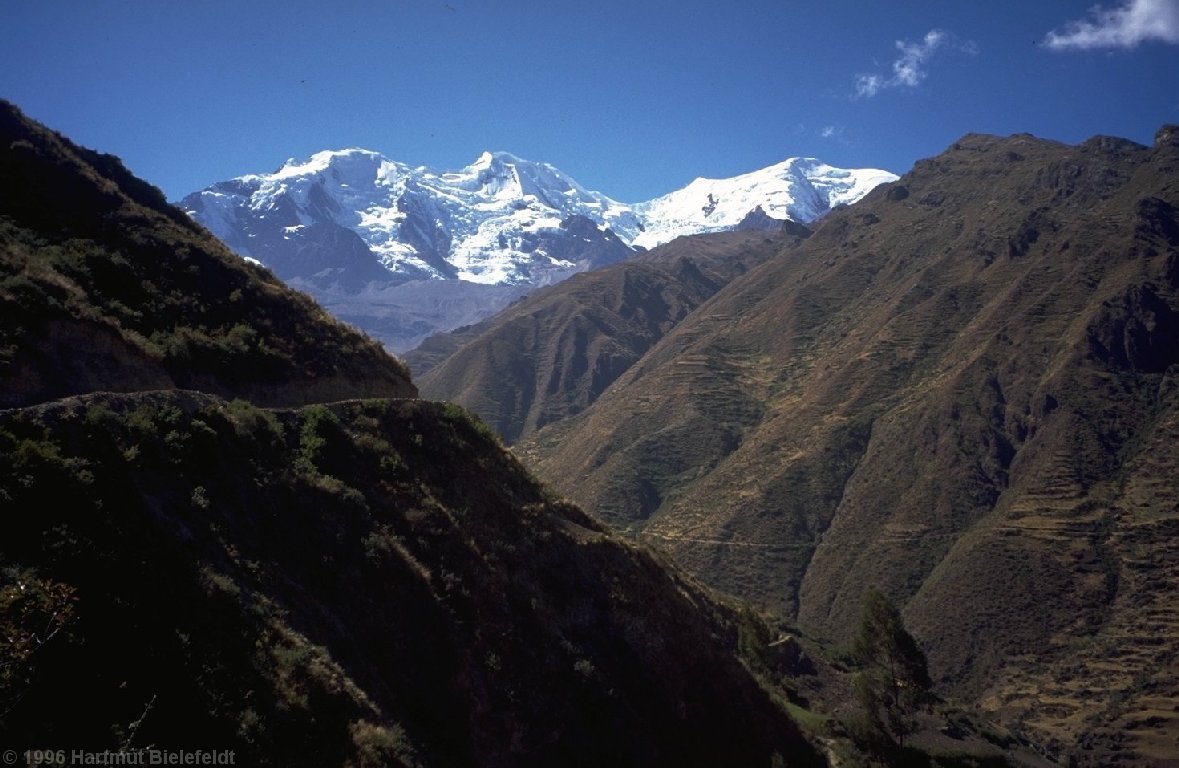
(404, 252)
(798, 189)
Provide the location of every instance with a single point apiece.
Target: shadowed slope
(361, 583)
(103, 285)
(373, 583)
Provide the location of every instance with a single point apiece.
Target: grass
(813, 724)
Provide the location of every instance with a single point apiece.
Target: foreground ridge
(262, 543)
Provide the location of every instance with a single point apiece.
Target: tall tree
(893, 684)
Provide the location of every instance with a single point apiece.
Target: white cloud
(868, 85)
(1136, 21)
(835, 133)
(909, 69)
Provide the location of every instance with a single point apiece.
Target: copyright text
(62, 757)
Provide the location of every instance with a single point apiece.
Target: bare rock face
(1167, 136)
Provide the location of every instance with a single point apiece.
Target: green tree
(893, 683)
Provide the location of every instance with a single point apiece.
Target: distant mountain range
(406, 252)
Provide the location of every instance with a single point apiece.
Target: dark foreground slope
(961, 390)
(552, 354)
(103, 285)
(371, 583)
(366, 583)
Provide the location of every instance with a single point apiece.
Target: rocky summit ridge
(404, 251)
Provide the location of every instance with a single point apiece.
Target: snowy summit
(798, 189)
(351, 225)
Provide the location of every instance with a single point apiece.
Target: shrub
(318, 423)
(258, 424)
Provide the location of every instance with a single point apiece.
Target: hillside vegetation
(370, 583)
(960, 391)
(362, 582)
(553, 353)
(104, 286)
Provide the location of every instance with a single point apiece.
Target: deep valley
(893, 485)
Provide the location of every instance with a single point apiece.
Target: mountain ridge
(307, 575)
(564, 345)
(354, 227)
(947, 392)
(294, 571)
(100, 309)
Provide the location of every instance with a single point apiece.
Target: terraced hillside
(960, 390)
(550, 355)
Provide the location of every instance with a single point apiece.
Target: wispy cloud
(909, 69)
(837, 134)
(1134, 22)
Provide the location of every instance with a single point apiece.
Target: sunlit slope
(552, 354)
(957, 390)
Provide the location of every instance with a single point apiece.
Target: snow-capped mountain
(368, 236)
(798, 189)
(484, 223)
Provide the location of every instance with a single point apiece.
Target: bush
(318, 424)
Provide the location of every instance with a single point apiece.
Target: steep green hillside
(552, 354)
(961, 391)
(104, 286)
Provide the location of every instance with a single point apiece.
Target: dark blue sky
(630, 98)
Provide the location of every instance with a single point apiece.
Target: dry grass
(955, 391)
